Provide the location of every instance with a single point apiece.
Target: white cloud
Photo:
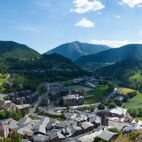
(141, 32)
(30, 28)
(85, 23)
(114, 43)
(83, 6)
(117, 16)
(131, 3)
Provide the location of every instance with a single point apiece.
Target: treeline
(135, 112)
(47, 68)
(122, 71)
(14, 137)
(9, 114)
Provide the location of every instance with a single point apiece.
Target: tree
(15, 137)
(97, 139)
(101, 107)
(112, 104)
(2, 114)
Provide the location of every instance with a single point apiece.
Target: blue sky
(45, 24)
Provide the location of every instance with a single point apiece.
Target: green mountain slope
(76, 49)
(10, 49)
(128, 71)
(32, 68)
(113, 55)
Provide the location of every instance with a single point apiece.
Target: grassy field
(96, 95)
(135, 102)
(135, 76)
(34, 117)
(125, 91)
(79, 87)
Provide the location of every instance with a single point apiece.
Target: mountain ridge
(113, 55)
(76, 49)
(11, 49)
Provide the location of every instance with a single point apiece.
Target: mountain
(53, 62)
(74, 50)
(113, 55)
(128, 71)
(10, 49)
(47, 68)
(31, 68)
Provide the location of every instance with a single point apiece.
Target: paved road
(75, 107)
(56, 110)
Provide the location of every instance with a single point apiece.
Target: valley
(73, 101)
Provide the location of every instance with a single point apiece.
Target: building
(24, 109)
(118, 112)
(54, 89)
(75, 130)
(23, 97)
(40, 128)
(104, 120)
(4, 128)
(45, 100)
(86, 126)
(73, 100)
(107, 135)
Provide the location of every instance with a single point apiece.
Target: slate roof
(24, 121)
(41, 126)
(12, 123)
(106, 135)
(119, 111)
(86, 125)
(23, 106)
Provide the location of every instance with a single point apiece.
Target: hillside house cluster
(73, 100)
(23, 97)
(54, 90)
(90, 82)
(8, 105)
(78, 126)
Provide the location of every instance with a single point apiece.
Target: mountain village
(59, 113)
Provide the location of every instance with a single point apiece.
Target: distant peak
(76, 42)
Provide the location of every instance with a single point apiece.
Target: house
(12, 124)
(86, 126)
(40, 128)
(75, 130)
(54, 90)
(118, 125)
(95, 120)
(73, 100)
(24, 109)
(107, 135)
(68, 115)
(7, 126)
(89, 84)
(113, 95)
(10, 107)
(24, 121)
(40, 138)
(61, 124)
(137, 126)
(66, 132)
(118, 112)
(89, 137)
(1, 103)
(52, 136)
(23, 97)
(45, 100)
(26, 126)
(77, 80)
